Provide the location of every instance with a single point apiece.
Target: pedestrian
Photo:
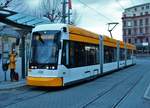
(12, 64)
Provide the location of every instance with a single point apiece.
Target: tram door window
(122, 54)
(129, 53)
(110, 54)
(64, 54)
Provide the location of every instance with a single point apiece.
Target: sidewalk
(10, 85)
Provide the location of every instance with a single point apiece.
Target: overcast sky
(94, 15)
(109, 11)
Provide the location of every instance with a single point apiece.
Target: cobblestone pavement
(122, 89)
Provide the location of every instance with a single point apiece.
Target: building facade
(136, 27)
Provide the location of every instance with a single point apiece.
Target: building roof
(20, 21)
(138, 6)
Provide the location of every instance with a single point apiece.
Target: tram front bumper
(46, 82)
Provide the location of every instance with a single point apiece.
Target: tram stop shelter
(22, 24)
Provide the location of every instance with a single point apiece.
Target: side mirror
(17, 41)
(64, 29)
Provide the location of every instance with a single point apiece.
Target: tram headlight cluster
(44, 67)
(50, 67)
(33, 67)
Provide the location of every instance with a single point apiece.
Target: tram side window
(72, 62)
(83, 54)
(122, 54)
(129, 53)
(134, 52)
(97, 54)
(110, 54)
(63, 61)
(76, 54)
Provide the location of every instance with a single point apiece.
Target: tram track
(26, 95)
(100, 95)
(139, 79)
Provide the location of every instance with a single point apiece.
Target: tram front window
(45, 48)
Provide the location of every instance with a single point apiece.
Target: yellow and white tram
(62, 54)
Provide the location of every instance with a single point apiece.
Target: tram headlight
(47, 67)
(35, 67)
(53, 67)
(32, 67)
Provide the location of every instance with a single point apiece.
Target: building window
(129, 31)
(147, 39)
(124, 15)
(129, 40)
(146, 21)
(135, 31)
(135, 40)
(124, 32)
(141, 22)
(146, 30)
(124, 23)
(146, 13)
(134, 15)
(141, 13)
(141, 40)
(142, 8)
(147, 7)
(135, 9)
(141, 30)
(129, 23)
(135, 22)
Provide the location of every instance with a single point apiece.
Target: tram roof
(107, 40)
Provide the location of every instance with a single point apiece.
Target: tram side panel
(83, 61)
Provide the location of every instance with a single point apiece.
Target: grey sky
(97, 22)
(106, 11)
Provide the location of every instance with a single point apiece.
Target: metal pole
(118, 53)
(101, 55)
(23, 56)
(64, 11)
(68, 16)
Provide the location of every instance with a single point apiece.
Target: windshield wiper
(40, 39)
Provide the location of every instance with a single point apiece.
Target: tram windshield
(45, 47)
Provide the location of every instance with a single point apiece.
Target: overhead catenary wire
(99, 13)
(132, 2)
(118, 2)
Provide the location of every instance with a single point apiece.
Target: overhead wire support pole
(69, 10)
(64, 11)
(110, 30)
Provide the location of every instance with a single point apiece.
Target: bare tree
(5, 4)
(52, 10)
(75, 18)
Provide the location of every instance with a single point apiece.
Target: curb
(12, 85)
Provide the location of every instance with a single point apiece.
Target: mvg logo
(40, 72)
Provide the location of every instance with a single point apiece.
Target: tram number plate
(40, 72)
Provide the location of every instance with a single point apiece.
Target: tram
(62, 54)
